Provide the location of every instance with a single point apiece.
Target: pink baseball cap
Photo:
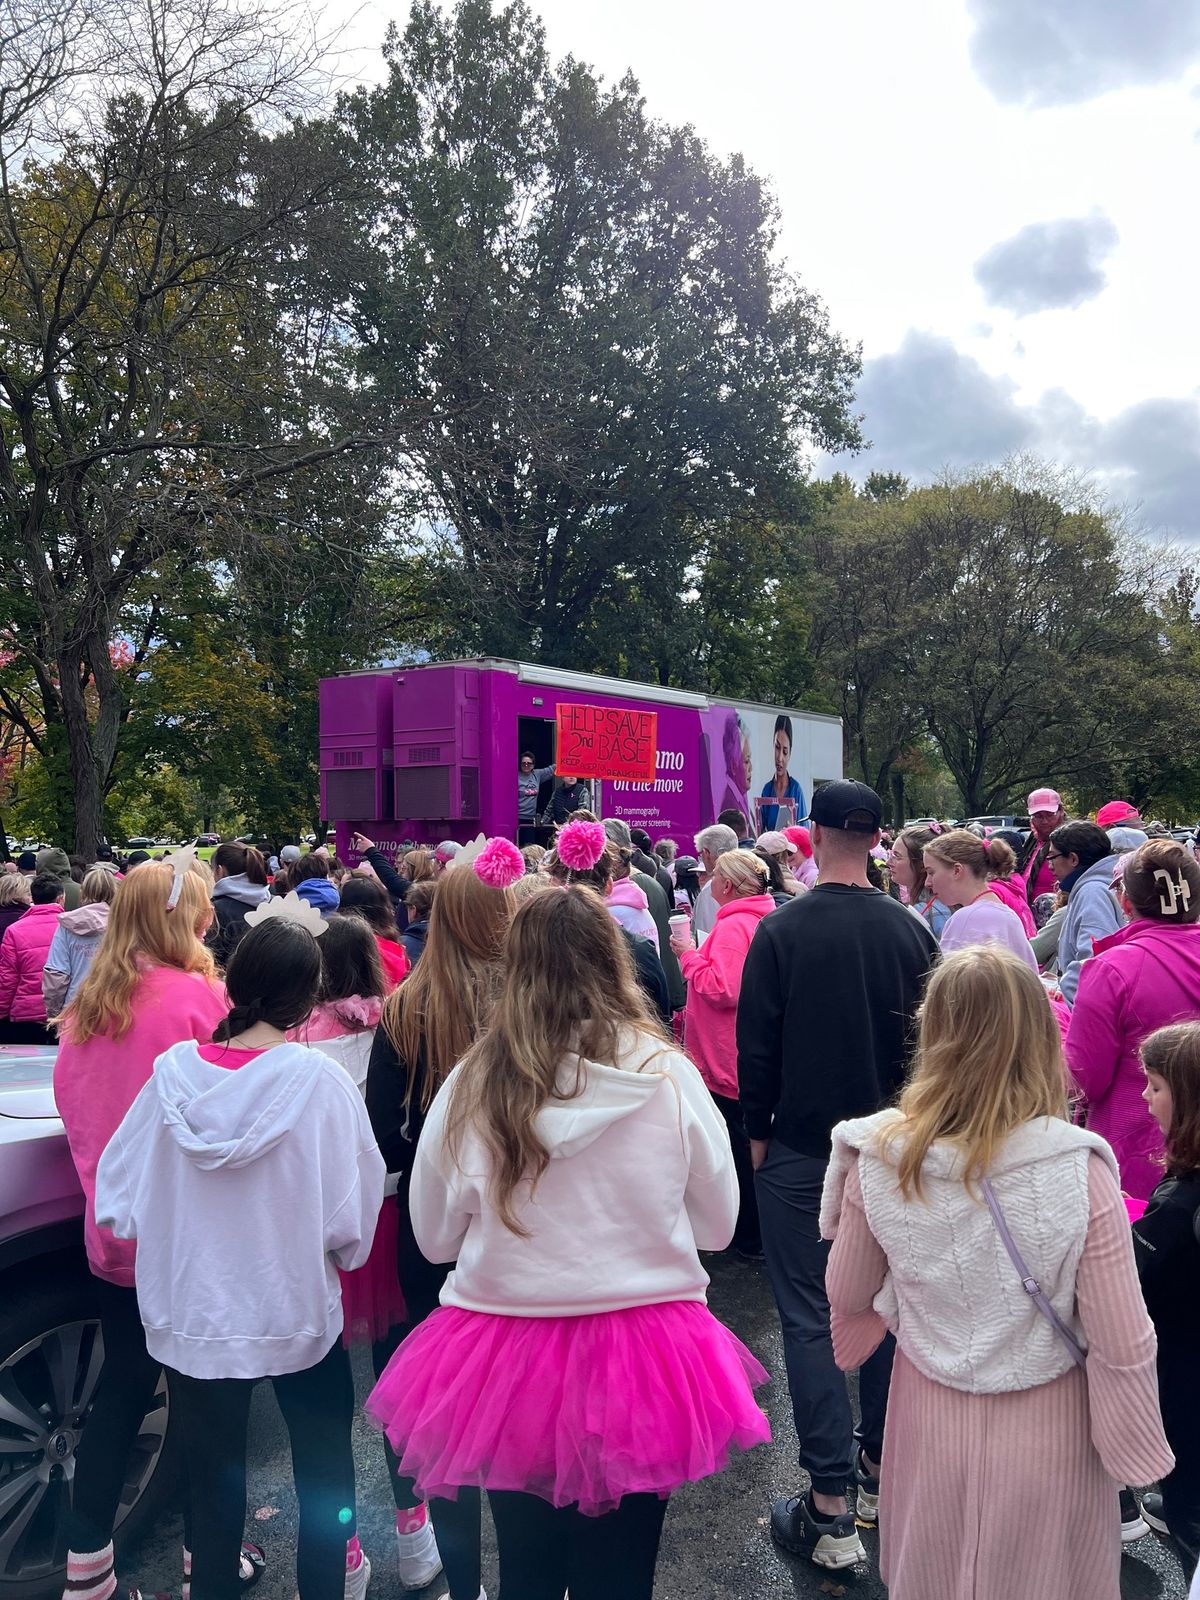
(1115, 811)
(1044, 800)
(801, 838)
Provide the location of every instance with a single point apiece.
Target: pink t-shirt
(225, 1055)
(986, 921)
(96, 1083)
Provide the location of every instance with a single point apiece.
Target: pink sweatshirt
(627, 904)
(1140, 978)
(96, 1083)
(1011, 892)
(714, 981)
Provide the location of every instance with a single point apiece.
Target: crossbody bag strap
(1028, 1282)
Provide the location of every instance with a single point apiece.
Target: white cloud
(930, 406)
(1048, 265)
(1059, 52)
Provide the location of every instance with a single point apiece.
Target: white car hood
(26, 1081)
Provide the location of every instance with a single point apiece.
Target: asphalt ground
(716, 1543)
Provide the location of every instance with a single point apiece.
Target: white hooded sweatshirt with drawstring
(640, 1179)
(245, 1191)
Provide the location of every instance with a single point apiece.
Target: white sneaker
(420, 1562)
(357, 1581)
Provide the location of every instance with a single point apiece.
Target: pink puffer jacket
(23, 952)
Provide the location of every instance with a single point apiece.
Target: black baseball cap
(833, 803)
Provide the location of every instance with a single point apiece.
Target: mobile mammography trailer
(431, 752)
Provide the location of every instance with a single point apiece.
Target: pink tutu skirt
(372, 1300)
(577, 1410)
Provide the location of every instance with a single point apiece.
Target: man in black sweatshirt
(824, 1025)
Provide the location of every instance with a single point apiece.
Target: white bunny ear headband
(468, 853)
(292, 909)
(181, 863)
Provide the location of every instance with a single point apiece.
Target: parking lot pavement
(716, 1545)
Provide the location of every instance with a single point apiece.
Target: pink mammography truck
(431, 752)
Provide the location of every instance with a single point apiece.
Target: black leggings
(545, 1549)
(318, 1408)
(126, 1390)
(457, 1524)
(747, 1234)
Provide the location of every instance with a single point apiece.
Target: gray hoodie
(245, 1191)
(1092, 913)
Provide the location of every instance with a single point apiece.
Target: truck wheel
(51, 1355)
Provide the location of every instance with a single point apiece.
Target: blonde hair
(532, 883)
(418, 866)
(14, 890)
(989, 1058)
(438, 1012)
(569, 994)
(99, 887)
(745, 872)
(140, 933)
(985, 858)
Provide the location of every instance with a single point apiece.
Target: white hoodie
(640, 1177)
(245, 1191)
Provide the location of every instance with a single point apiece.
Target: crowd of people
(943, 1085)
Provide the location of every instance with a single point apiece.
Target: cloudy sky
(997, 198)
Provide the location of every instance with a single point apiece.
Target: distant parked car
(207, 839)
(51, 1348)
(991, 824)
(140, 843)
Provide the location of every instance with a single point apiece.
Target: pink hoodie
(1141, 978)
(627, 904)
(714, 980)
(1011, 892)
(96, 1083)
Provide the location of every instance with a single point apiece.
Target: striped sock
(186, 1593)
(412, 1520)
(90, 1576)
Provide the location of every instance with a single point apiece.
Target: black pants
(545, 1549)
(126, 1389)
(318, 1408)
(25, 1033)
(789, 1201)
(457, 1524)
(746, 1235)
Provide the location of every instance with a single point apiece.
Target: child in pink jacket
(23, 951)
(714, 981)
(1140, 978)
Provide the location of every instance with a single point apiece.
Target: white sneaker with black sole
(867, 1503)
(1132, 1525)
(420, 1562)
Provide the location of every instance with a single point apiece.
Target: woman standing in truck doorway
(782, 786)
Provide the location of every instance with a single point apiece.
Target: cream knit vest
(952, 1296)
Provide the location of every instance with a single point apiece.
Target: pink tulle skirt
(372, 1300)
(577, 1410)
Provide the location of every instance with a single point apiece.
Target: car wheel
(51, 1357)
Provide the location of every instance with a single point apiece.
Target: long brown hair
(442, 1008)
(140, 933)
(569, 994)
(1173, 1054)
(1162, 882)
(989, 1058)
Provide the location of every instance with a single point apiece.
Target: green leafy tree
(574, 316)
